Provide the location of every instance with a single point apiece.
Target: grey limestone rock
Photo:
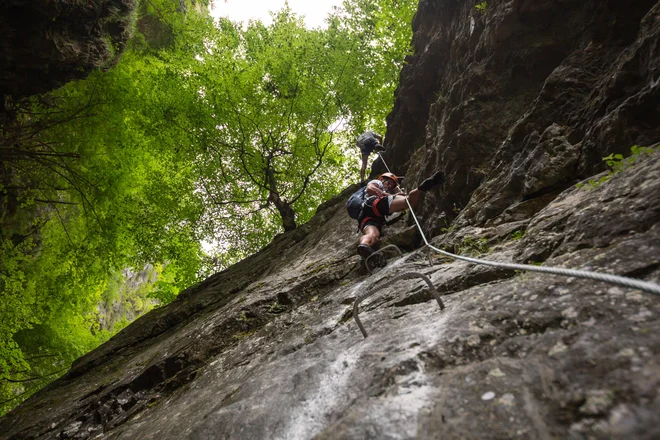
(517, 104)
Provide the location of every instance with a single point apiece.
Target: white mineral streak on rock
(489, 395)
(559, 347)
(401, 407)
(496, 372)
(308, 418)
(399, 414)
(473, 340)
(626, 352)
(399, 410)
(507, 399)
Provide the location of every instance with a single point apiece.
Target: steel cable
(607, 278)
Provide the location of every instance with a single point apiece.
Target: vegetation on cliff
(202, 132)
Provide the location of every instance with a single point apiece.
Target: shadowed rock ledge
(45, 44)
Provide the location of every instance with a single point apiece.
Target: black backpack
(355, 202)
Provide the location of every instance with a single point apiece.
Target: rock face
(45, 44)
(522, 98)
(268, 348)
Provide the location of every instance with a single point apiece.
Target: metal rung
(404, 276)
(389, 246)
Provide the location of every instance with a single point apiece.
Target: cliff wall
(45, 44)
(519, 99)
(516, 104)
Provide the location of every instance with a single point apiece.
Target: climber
(367, 143)
(384, 198)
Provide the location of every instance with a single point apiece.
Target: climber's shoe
(438, 178)
(365, 251)
(379, 148)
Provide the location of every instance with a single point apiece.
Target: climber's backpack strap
(355, 202)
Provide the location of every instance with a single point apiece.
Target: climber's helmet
(390, 181)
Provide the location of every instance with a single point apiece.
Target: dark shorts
(374, 211)
(368, 146)
(372, 222)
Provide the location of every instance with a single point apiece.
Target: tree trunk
(286, 211)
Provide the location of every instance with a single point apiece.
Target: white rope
(607, 278)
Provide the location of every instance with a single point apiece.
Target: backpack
(355, 202)
(364, 138)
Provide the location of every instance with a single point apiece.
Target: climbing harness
(607, 278)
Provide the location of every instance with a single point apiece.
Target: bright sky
(314, 11)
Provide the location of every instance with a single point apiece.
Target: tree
(225, 135)
(378, 33)
(272, 99)
(89, 186)
(267, 98)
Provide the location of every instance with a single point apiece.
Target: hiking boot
(438, 178)
(365, 251)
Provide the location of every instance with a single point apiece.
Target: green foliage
(448, 229)
(473, 246)
(198, 134)
(128, 295)
(377, 34)
(594, 183)
(267, 104)
(279, 105)
(618, 163)
(614, 161)
(517, 235)
(276, 308)
(481, 7)
(90, 186)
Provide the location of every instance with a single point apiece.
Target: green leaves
(271, 99)
(617, 163)
(221, 135)
(267, 111)
(614, 161)
(481, 7)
